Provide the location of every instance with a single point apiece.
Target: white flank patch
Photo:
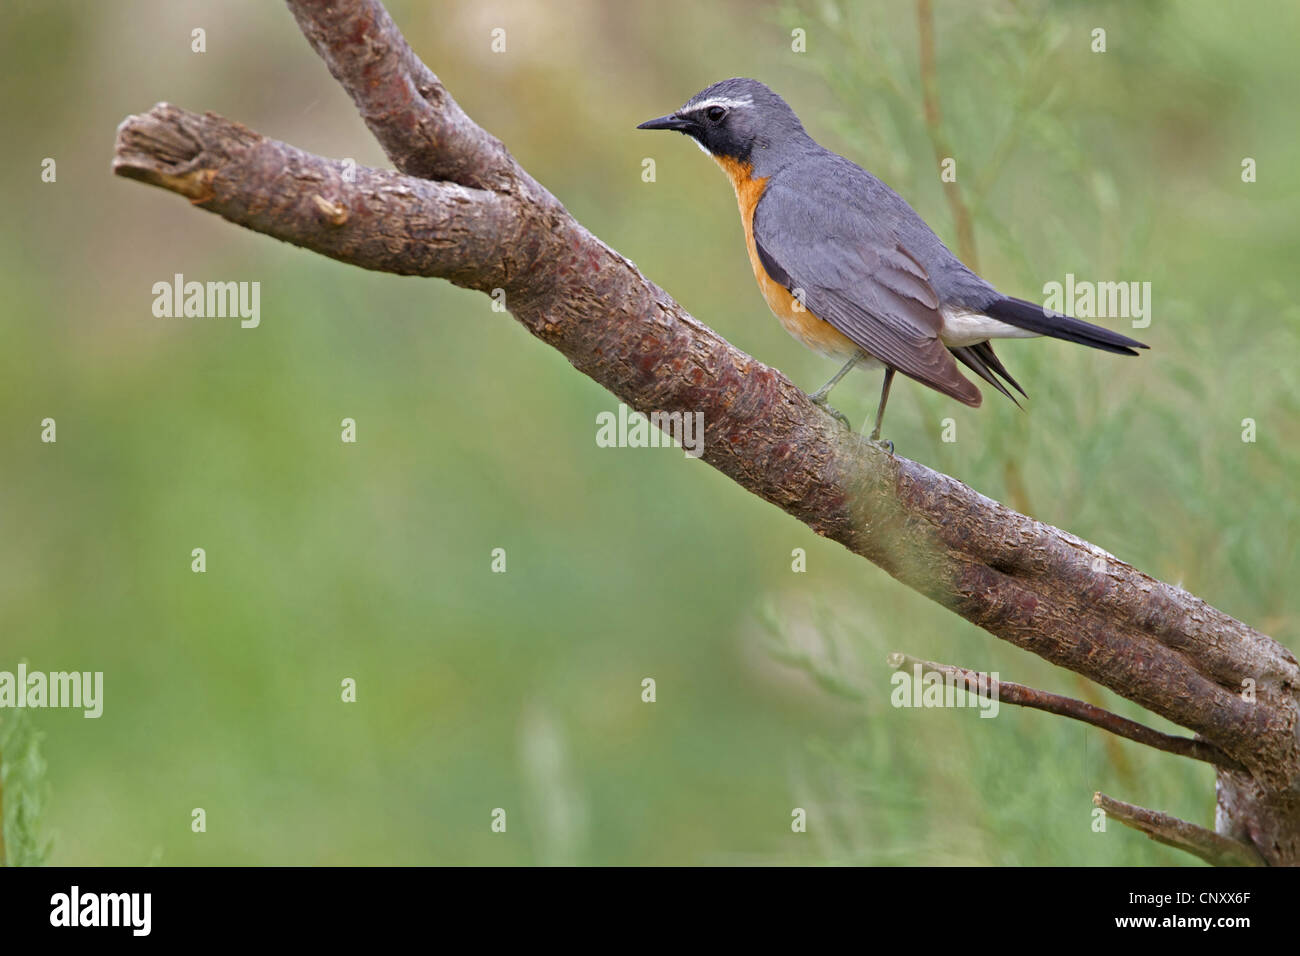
(967, 328)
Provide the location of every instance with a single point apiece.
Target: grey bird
(849, 267)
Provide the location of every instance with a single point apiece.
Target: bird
(849, 268)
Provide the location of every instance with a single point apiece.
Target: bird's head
(737, 119)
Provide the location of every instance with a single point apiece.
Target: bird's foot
(875, 439)
(818, 398)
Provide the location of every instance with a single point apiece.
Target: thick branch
(1025, 582)
(421, 128)
(1006, 692)
(371, 218)
(1209, 846)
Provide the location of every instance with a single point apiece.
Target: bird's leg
(819, 397)
(880, 410)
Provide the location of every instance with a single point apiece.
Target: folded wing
(857, 275)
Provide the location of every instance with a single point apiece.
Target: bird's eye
(715, 113)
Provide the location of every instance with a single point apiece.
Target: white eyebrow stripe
(719, 101)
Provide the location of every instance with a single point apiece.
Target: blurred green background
(523, 690)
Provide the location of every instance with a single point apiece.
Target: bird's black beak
(668, 122)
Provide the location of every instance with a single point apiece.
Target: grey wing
(853, 271)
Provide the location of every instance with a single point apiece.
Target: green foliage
(23, 786)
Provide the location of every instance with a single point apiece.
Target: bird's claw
(820, 401)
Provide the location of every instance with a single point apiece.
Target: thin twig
(1018, 694)
(1213, 848)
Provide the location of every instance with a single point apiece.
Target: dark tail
(1034, 318)
(981, 360)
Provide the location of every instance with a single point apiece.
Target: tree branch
(422, 129)
(1006, 692)
(485, 224)
(371, 218)
(1209, 846)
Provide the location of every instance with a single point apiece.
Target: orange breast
(816, 334)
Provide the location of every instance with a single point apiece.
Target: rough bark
(462, 209)
(1211, 847)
